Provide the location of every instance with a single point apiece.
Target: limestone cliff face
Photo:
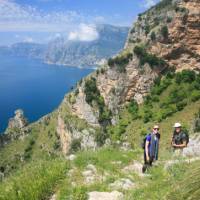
(181, 48)
(118, 88)
(17, 128)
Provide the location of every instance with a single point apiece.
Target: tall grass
(189, 187)
(34, 182)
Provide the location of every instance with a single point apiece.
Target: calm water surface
(33, 86)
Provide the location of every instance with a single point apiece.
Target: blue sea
(33, 86)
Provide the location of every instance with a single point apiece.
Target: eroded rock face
(119, 88)
(83, 110)
(67, 134)
(18, 121)
(192, 149)
(17, 127)
(181, 48)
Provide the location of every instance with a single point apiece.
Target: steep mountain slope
(87, 53)
(63, 51)
(114, 107)
(31, 50)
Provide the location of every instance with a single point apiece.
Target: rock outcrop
(68, 134)
(115, 195)
(180, 46)
(18, 121)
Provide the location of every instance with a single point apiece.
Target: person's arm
(147, 150)
(180, 145)
(172, 141)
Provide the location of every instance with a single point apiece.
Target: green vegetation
(93, 98)
(34, 181)
(147, 29)
(153, 36)
(120, 61)
(197, 122)
(146, 57)
(167, 99)
(164, 32)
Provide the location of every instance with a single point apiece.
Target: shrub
(151, 59)
(102, 70)
(76, 145)
(56, 145)
(155, 98)
(133, 109)
(195, 95)
(148, 114)
(169, 19)
(197, 122)
(168, 111)
(158, 89)
(101, 136)
(111, 62)
(177, 94)
(91, 90)
(164, 32)
(147, 29)
(93, 95)
(180, 105)
(153, 36)
(132, 30)
(187, 76)
(120, 61)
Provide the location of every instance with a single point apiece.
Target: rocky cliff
(110, 41)
(17, 128)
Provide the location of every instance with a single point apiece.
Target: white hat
(156, 126)
(177, 125)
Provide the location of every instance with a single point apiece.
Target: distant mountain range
(74, 53)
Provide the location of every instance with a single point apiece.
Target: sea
(33, 86)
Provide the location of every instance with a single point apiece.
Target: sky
(41, 21)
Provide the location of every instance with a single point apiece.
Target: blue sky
(43, 20)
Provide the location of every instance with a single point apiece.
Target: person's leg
(144, 168)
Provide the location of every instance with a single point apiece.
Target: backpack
(144, 141)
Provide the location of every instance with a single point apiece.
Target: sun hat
(177, 125)
(156, 127)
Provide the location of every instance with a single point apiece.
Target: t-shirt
(180, 138)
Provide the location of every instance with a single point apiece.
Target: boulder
(115, 195)
(124, 184)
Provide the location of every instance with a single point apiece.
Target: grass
(34, 181)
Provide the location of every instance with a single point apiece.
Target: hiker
(151, 147)
(179, 139)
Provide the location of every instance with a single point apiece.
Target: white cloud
(84, 33)
(15, 17)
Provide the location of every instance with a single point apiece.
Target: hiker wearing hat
(180, 139)
(151, 147)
